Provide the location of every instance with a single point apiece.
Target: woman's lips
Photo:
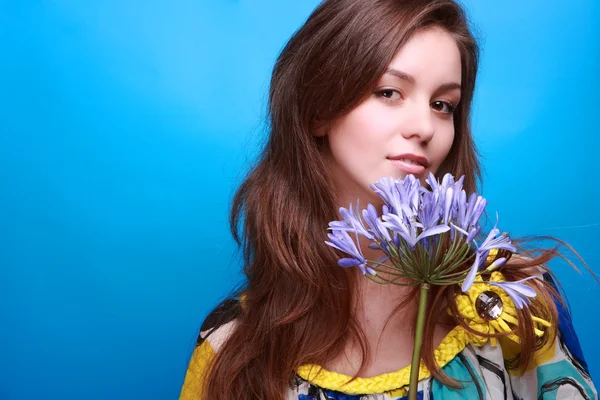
(409, 166)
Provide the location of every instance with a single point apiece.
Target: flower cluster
(427, 234)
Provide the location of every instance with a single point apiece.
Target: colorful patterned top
(558, 371)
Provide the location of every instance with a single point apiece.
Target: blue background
(126, 126)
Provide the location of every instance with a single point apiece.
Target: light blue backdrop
(125, 126)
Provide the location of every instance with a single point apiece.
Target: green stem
(416, 357)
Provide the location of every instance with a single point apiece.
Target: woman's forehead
(430, 54)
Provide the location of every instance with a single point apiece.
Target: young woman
(364, 90)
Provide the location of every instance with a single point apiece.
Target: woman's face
(405, 125)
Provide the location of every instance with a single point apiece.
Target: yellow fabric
(197, 369)
(451, 345)
(492, 255)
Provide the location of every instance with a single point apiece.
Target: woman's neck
(387, 329)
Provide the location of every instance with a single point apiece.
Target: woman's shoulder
(214, 332)
(220, 323)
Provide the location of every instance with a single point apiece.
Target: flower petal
(472, 273)
(524, 290)
(448, 204)
(459, 229)
(518, 300)
(518, 291)
(473, 233)
(436, 230)
(348, 262)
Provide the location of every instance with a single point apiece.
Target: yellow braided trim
(454, 342)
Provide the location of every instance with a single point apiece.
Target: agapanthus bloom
(428, 234)
(427, 237)
(342, 241)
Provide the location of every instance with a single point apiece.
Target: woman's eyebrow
(399, 74)
(411, 79)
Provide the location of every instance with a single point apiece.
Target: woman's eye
(444, 107)
(390, 94)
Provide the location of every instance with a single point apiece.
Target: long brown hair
(297, 304)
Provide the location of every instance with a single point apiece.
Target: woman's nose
(419, 123)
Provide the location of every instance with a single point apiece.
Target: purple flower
(493, 241)
(518, 291)
(479, 258)
(447, 195)
(470, 235)
(350, 222)
(399, 225)
(386, 189)
(447, 182)
(474, 211)
(429, 213)
(448, 204)
(470, 278)
(413, 215)
(408, 230)
(408, 189)
(340, 240)
(376, 226)
(400, 196)
(433, 183)
(467, 214)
